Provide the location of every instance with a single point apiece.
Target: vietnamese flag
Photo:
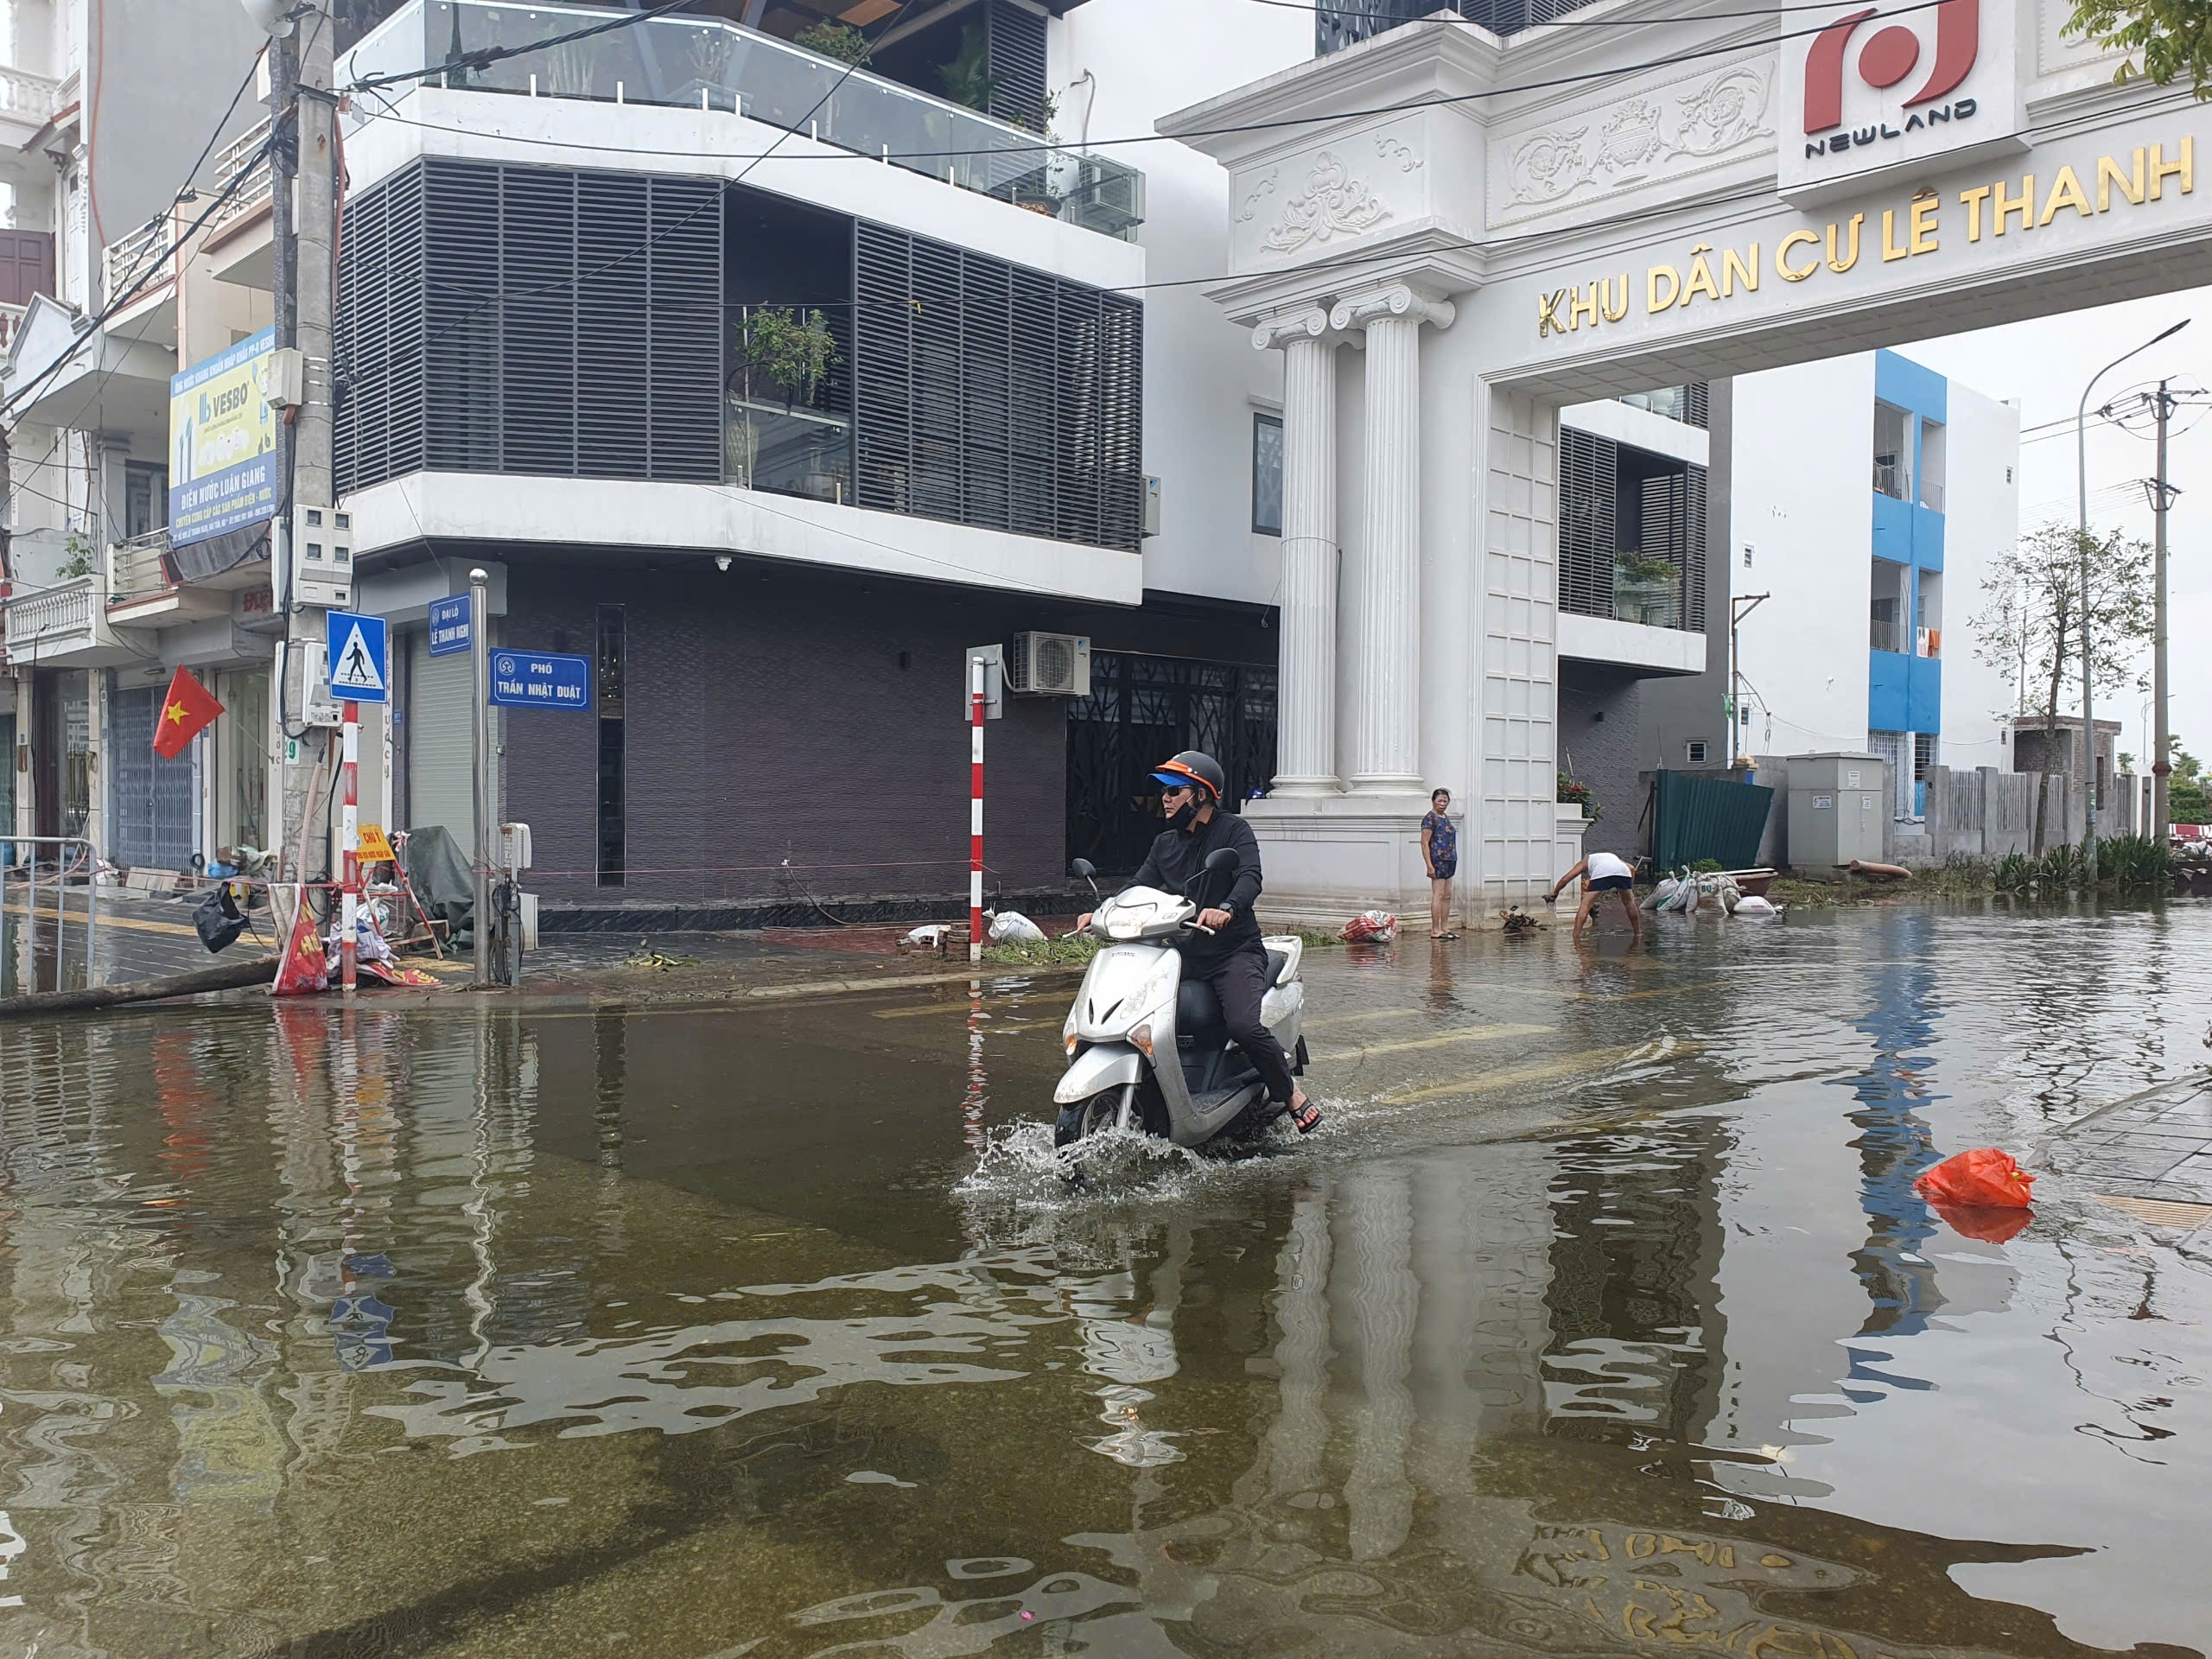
(186, 710)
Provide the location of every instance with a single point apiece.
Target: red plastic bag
(1984, 1178)
(1370, 927)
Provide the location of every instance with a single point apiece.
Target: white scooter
(1147, 1051)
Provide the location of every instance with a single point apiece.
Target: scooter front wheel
(1088, 1118)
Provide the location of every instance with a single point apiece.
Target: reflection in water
(331, 1332)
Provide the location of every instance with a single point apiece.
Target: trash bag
(1012, 927)
(1657, 898)
(217, 919)
(1984, 1177)
(1370, 927)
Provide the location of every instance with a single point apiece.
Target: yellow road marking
(1596, 1059)
(76, 919)
(1465, 1034)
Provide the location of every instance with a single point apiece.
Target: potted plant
(796, 352)
(1644, 588)
(1572, 793)
(839, 42)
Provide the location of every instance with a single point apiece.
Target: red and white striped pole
(349, 841)
(975, 808)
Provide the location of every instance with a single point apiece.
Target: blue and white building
(1869, 487)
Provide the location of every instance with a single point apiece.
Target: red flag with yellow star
(187, 709)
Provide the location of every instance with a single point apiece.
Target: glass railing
(789, 451)
(707, 63)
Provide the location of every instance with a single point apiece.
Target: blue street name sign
(449, 626)
(541, 679)
(359, 668)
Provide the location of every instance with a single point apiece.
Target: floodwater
(1603, 1318)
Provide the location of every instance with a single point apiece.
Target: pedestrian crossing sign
(359, 665)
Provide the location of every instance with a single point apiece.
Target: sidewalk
(2150, 1154)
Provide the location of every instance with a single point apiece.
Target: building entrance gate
(1501, 228)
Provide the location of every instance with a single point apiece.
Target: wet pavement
(1602, 1318)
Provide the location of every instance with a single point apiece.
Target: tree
(2030, 629)
(2187, 800)
(2173, 38)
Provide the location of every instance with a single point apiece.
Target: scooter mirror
(1221, 859)
(1084, 870)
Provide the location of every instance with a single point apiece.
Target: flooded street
(1602, 1318)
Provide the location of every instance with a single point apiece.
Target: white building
(1868, 486)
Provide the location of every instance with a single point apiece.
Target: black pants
(1239, 981)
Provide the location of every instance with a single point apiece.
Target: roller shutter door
(439, 692)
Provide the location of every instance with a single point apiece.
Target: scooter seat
(1199, 1016)
(1277, 962)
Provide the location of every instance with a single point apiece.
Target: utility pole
(2161, 738)
(1738, 608)
(304, 113)
(483, 755)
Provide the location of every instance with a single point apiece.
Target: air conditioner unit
(1049, 664)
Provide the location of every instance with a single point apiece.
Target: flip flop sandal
(1307, 1121)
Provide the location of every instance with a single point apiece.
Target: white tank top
(1603, 865)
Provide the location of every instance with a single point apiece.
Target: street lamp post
(2082, 548)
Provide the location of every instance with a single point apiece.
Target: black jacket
(1177, 864)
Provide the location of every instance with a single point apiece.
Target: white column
(1305, 695)
(1386, 732)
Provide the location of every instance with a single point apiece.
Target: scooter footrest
(1214, 1098)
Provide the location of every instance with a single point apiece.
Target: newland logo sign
(1881, 86)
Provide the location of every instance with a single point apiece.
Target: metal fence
(64, 857)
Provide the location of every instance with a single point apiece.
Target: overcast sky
(2045, 365)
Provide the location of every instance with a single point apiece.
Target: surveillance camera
(272, 17)
(722, 560)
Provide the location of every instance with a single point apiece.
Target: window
(1923, 755)
(1892, 451)
(614, 826)
(1932, 447)
(145, 498)
(1886, 628)
(1266, 474)
(1693, 751)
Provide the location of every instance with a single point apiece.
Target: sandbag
(1012, 927)
(1660, 894)
(1984, 1177)
(1752, 904)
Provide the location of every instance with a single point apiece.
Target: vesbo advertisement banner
(222, 443)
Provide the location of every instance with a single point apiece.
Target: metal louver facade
(1016, 38)
(995, 396)
(1350, 21)
(506, 319)
(1612, 514)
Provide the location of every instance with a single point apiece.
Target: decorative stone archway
(1449, 237)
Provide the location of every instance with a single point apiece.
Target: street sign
(450, 626)
(376, 848)
(359, 670)
(541, 679)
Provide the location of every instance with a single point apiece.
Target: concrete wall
(1980, 524)
(1673, 710)
(770, 716)
(1599, 744)
(1204, 381)
(162, 74)
(1802, 445)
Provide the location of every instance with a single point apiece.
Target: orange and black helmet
(1193, 768)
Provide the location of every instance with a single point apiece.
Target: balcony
(707, 63)
(11, 318)
(27, 103)
(65, 625)
(244, 155)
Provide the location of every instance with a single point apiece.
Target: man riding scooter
(1229, 956)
